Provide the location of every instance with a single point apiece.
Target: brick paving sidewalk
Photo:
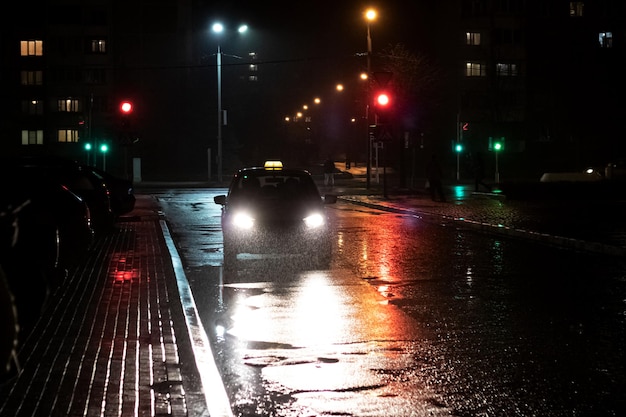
(109, 346)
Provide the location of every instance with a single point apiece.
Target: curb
(499, 230)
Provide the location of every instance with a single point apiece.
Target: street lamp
(370, 15)
(218, 28)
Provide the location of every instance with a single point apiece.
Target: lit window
(67, 135)
(98, 46)
(32, 106)
(32, 77)
(472, 38)
(253, 78)
(506, 70)
(475, 69)
(68, 105)
(32, 137)
(576, 8)
(253, 67)
(31, 48)
(605, 39)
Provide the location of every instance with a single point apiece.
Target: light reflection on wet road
(412, 318)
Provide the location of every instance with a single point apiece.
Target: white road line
(214, 391)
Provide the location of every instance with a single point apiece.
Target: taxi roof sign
(273, 165)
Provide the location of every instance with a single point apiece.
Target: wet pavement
(114, 342)
(577, 222)
(580, 225)
(122, 337)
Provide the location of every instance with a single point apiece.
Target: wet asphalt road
(491, 326)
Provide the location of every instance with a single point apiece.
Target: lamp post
(370, 15)
(218, 28)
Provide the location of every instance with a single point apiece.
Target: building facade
(546, 77)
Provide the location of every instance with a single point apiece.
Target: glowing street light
(218, 28)
(370, 16)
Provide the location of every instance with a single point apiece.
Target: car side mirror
(220, 199)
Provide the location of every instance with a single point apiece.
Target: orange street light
(370, 16)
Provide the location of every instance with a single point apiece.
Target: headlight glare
(243, 220)
(314, 220)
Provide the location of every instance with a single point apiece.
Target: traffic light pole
(368, 170)
(497, 168)
(459, 132)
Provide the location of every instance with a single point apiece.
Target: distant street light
(218, 28)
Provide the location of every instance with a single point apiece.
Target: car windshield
(274, 185)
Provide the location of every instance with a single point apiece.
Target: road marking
(214, 391)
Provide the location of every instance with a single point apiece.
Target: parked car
(9, 325)
(83, 182)
(122, 191)
(50, 232)
(272, 209)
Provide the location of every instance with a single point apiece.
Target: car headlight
(243, 220)
(314, 220)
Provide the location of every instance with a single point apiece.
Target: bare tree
(415, 81)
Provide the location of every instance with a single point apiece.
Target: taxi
(273, 209)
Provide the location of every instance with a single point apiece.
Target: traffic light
(464, 131)
(458, 148)
(383, 100)
(126, 107)
(496, 144)
(382, 106)
(127, 130)
(126, 112)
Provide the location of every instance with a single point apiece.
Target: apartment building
(544, 76)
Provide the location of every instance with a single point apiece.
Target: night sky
(326, 28)
(317, 42)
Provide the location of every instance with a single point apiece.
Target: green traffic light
(104, 148)
(458, 147)
(497, 146)
(87, 146)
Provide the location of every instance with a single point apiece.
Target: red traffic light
(383, 99)
(126, 107)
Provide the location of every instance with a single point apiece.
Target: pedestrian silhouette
(329, 172)
(434, 175)
(478, 166)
